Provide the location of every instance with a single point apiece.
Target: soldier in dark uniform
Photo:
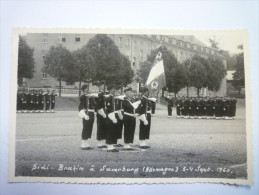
(86, 112)
(52, 100)
(178, 108)
(186, 105)
(170, 104)
(24, 101)
(233, 108)
(144, 111)
(218, 108)
(19, 101)
(129, 118)
(101, 120)
(36, 101)
(111, 121)
(47, 101)
(227, 108)
(181, 106)
(153, 107)
(29, 101)
(41, 101)
(192, 107)
(119, 116)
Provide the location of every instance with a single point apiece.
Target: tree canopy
(110, 65)
(60, 64)
(26, 63)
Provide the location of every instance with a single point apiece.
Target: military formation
(35, 101)
(115, 117)
(202, 107)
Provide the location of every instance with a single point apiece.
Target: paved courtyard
(48, 144)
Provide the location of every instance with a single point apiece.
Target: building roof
(189, 38)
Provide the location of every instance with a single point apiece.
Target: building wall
(135, 47)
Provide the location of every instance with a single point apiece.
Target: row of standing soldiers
(203, 107)
(35, 101)
(114, 114)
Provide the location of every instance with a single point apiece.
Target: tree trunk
(187, 88)
(59, 87)
(175, 95)
(79, 92)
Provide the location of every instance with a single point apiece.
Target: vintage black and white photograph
(125, 106)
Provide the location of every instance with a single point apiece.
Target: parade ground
(48, 145)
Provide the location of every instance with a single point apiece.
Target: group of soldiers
(116, 115)
(35, 101)
(203, 107)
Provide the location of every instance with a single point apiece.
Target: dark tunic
(129, 121)
(89, 110)
(145, 108)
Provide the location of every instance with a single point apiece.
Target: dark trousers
(218, 111)
(111, 133)
(169, 109)
(29, 106)
(24, 106)
(101, 125)
(52, 105)
(41, 106)
(129, 128)
(119, 126)
(144, 130)
(47, 106)
(88, 126)
(153, 108)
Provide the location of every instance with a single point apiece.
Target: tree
(85, 69)
(60, 64)
(111, 66)
(216, 74)
(174, 72)
(197, 69)
(239, 74)
(214, 44)
(26, 61)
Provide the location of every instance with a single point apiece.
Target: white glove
(86, 117)
(114, 121)
(82, 113)
(145, 122)
(120, 115)
(101, 112)
(112, 117)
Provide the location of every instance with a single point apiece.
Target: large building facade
(135, 47)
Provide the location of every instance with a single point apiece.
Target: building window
(166, 39)
(44, 53)
(62, 38)
(174, 41)
(120, 41)
(135, 45)
(158, 37)
(149, 36)
(188, 45)
(77, 38)
(44, 75)
(178, 43)
(45, 37)
(128, 44)
(134, 62)
(195, 47)
(148, 48)
(141, 55)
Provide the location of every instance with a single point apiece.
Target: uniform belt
(90, 110)
(129, 114)
(149, 111)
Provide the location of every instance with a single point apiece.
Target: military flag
(156, 77)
